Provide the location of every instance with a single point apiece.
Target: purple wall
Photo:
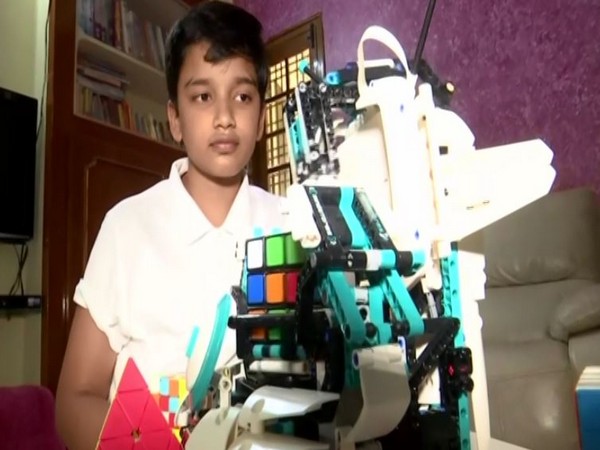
(522, 69)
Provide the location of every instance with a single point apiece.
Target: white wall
(22, 54)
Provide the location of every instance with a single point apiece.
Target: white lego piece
(215, 431)
(471, 264)
(429, 390)
(300, 216)
(487, 185)
(279, 366)
(218, 427)
(272, 402)
(271, 441)
(385, 393)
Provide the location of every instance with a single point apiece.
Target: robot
(358, 327)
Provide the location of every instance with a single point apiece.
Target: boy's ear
(261, 122)
(174, 124)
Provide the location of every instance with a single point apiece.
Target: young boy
(164, 258)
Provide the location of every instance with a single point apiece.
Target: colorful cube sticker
(275, 251)
(294, 253)
(254, 254)
(275, 287)
(256, 289)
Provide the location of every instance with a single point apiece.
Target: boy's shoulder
(157, 202)
(143, 205)
(266, 199)
(268, 209)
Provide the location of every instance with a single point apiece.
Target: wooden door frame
(259, 158)
(59, 114)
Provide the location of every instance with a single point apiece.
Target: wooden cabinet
(90, 165)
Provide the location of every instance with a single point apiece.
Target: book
(587, 397)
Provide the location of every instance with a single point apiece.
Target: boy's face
(219, 114)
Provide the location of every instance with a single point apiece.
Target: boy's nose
(224, 117)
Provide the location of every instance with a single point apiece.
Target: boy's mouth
(224, 145)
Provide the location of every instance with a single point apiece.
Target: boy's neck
(213, 196)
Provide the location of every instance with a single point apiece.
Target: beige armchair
(541, 317)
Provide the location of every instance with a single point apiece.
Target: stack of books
(115, 24)
(101, 95)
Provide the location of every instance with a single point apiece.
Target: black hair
(228, 29)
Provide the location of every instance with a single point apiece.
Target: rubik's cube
(172, 392)
(272, 271)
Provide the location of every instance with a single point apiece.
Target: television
(18, 139)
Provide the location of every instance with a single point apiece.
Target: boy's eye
(203, 97)
(244, 98)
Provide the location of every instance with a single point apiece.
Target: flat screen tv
(18, 129)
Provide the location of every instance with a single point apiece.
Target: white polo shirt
(158, 268)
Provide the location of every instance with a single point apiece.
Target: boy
(164, 258)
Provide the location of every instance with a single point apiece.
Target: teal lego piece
(296, 141)
(388, 259)
(402, 304)
(202, 383)
(193, 341)
(359, 237)
(452, 308)
(419, 259)
(260, 351)
(341, 296)
(303, 65)
(300, 139)
(377, 316)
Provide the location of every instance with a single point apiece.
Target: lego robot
(358, 327)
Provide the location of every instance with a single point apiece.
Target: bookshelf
(93, 161)
(119, 64)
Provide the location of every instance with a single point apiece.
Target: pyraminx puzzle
(134, 420)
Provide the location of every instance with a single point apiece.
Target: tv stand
(20, 304)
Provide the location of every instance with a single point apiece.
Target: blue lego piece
(333, 78)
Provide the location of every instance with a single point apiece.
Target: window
(270, 166)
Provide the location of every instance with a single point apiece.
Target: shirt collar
(190, 219)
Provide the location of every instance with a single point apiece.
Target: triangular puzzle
(134, 420)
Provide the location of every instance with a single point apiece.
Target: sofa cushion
(526, 359)
(523, 313)
(530, 387)
(577, 314)
(583, 351)
(552, 239)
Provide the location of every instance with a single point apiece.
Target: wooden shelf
(127, 131)
(163, 12)
(143, 78)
